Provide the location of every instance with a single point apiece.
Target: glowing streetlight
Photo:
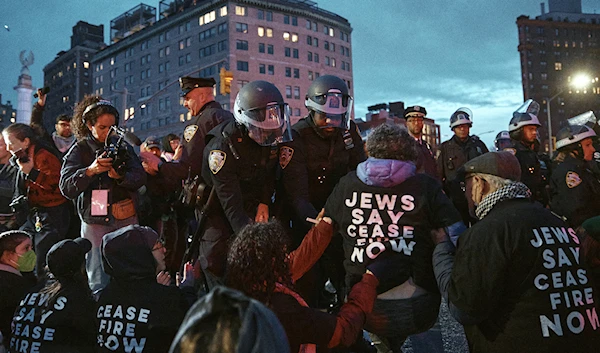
(579, 81)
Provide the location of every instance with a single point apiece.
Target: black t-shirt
(518, 271)
(399, 218)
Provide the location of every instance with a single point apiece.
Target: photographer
(62, 139)
(103, 172)
(37, 197)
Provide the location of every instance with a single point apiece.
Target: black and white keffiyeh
(514, 190)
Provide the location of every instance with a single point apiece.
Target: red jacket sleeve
(314, 244)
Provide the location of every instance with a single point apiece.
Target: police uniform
(575, 191)
(453, 154)
(531, 170)
(209, 116)
(242, 173)
(312, 165)
(425, 156)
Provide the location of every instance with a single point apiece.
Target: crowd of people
(248, 233)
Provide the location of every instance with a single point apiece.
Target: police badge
(285, 156)
(216, 160)
(189, 132)
(573, 179)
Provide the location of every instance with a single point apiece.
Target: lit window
(294, 37)
(112, 61)
(207, 18)
(86, 65)
(240, 10)
(74, 65)
(182, 117)
(269, 32)
(261, 31)
(557, 66)
(223, 11)
(286, 35)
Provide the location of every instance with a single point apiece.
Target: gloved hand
(390, 265)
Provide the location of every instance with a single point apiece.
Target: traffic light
(226, 77)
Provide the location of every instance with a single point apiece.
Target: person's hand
(321, 218)
(178, 153)
(164, 278)
(150, 162)
(41, 98)
(262, 213)
(112, 173)
(188, 276)
(99, 166)
(26, 167)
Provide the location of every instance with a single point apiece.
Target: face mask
(26, 262)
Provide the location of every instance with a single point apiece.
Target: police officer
(455, 152)
(240, 161)
(199, 99)
(502, 141)
(575, 189)
(414, 123)
(523, 133)
(325, 147)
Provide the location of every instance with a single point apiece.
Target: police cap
(414, 110)
(187, 83)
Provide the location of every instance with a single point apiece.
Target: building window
(261, 47)
(288, 52)
(222, 45)
(295, 37)
(310, 56)
(326, 45)
(223, 11)
(288, 91)
(207, 18)
(310, 76)
(241, 10)
(260, 14)
(309, 40)
(333, 62)
(270, 32)
(296, 73)
(242, 83)
(270, 49)
(286, 36)
(557, 66)
(288, 72)
(544, 76)
(211, 32)
(297, 111)
(241, 44)
(261, 31)
(295, 53)
(296, 92)
(269, 16)
(286, 19)
(241, 27)
(222, 27)
(242, 66)
(271, 70)
(316, 58)
(262, 68)
(208, 51)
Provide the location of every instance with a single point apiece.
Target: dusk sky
(438, 54)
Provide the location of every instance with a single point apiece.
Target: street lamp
(579, 81)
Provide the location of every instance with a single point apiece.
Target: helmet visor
(268, 126)
(334, 113)
(530, 106)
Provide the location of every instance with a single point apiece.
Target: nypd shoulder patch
(285, 156)
(573, 179)
(189, 132)
(216, 160)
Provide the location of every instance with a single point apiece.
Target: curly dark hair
(79, 125)
(258, 259)
(391, 142)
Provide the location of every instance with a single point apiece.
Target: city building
(8, 114)
(286, 42)
(69, 75)
(393, 113)
(554, 48)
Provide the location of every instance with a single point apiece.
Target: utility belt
(123, 209)
(193, 193)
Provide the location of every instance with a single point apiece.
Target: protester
(516, 282)
(385, 206)
(62, 138)
(138, 296)
(172, 148)
(226, 321)
(8, 177)
(260, 265)
(17, 261)
(37, 196)
(58, 315)
(106, 193)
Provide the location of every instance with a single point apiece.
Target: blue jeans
(97, 278)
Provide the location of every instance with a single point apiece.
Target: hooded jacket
(259, 328)
(134, 311)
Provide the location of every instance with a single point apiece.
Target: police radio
(348, 142)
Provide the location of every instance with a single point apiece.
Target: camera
(45, 90)
(117, 152)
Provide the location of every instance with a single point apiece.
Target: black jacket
(425, 159)
(575, 191)
(454, 153)
(148, 312)
(13, 287)
(311, 166)
(241, 182)
(75, 184)
(194, 134)
(8, 178)
(531, 170)
(517, 275)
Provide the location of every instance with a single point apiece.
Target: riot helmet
(461, 116)
(259, 106)
(502, 141)
(328, 99)
(573, 135)
(525, 115)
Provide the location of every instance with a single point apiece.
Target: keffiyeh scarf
(514, 190)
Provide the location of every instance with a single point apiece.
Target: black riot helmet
(502, 141)
(569, 138)
(328, 99)
(259, 106)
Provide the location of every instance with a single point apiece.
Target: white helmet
(573, 134)
(460, 117)
(525, 115)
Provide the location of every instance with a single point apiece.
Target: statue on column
(24, 89)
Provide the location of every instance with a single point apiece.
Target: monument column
(24, 90)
